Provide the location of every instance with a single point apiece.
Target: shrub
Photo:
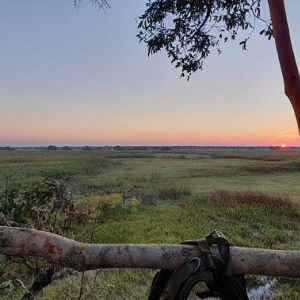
(51, 147)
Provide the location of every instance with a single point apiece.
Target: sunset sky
(73, 76)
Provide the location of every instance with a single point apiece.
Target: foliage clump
(40, 206)
(50, 204)
(188, 30)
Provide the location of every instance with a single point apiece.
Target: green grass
(251, 196)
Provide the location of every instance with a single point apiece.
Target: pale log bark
(82, 256)
(286, 55)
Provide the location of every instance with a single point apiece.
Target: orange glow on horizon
(148, 137)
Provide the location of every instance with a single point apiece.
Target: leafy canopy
(188, 30)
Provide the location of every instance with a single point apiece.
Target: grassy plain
(252, 196)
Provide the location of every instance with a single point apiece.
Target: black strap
(214, 272)
(218, 238)
(159, 284)
(226, 285)
(171, 285)
(178, 278)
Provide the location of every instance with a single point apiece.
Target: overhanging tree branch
(189, 30)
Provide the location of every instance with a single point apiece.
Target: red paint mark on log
(49, 247)
(80, 248)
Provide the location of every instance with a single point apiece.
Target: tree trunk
(286, 55)
(82, 256)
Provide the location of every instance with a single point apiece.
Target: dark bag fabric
(214, 272)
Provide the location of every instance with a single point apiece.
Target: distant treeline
(112, 148)
(145, 148)
(7, 148)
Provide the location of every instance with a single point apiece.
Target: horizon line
(148, 145)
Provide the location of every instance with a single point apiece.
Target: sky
(77, 76)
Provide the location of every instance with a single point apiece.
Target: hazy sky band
(77, 77)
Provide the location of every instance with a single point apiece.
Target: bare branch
(101, 4)
(81, 256)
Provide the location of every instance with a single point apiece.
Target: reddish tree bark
(286, 55)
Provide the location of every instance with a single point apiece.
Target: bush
(51, 147)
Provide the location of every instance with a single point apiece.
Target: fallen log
(82, 256)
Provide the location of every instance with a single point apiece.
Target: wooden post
(81, 256)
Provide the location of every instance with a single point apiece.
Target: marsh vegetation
(145, 197)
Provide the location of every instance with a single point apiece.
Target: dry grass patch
(257, 198)
(271, 166)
